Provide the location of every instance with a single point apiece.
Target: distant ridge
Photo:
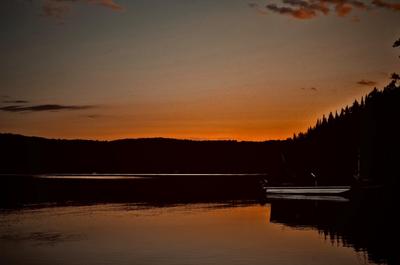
(367, 129)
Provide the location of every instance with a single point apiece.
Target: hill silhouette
(365, 131)
(23, 154)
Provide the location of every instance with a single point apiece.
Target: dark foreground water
(52, 223)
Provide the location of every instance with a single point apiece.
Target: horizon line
(148, 138)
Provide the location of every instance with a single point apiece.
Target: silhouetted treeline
(367, 131)
(21, 154)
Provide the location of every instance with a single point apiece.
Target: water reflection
(157, 190)
(41, 238)
(367, 225)
(280, 232)
(123, 223)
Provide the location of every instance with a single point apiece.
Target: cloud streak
(44, 107)
(94, 116)
(16, 101)
(366, 83)
(310, 89)
(58, 9)
(309, 9)
(300, 13)
(386, 4)
(108, 4)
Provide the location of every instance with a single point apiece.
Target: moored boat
(305, 190)
(316, 190)
(302, 197)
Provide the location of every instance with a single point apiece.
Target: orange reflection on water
(183, 234)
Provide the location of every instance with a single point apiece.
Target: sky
(198, 69)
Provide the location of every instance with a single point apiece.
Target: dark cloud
(300, 13)
(60, 8)
(396, 44)
(309, 88)
(16, 101)
(343, 10)
(308, 9)
(386, 4)
(316, 6)
(366, 83)
(45, 107)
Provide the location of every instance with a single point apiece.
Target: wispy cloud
(309, 9)
(109, 4)
(15, 101)
(44, 107)
(386, 4)
(366, 83)
(60, 8)
(343, 10)
(309, 88)
(94, 116)
(300, 13)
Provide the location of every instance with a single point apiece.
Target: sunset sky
(196, 69)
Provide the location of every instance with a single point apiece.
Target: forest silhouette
(364, 134)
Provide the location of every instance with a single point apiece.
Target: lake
(49, 227)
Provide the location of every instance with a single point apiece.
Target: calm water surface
(186, 219)
(213, 233)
